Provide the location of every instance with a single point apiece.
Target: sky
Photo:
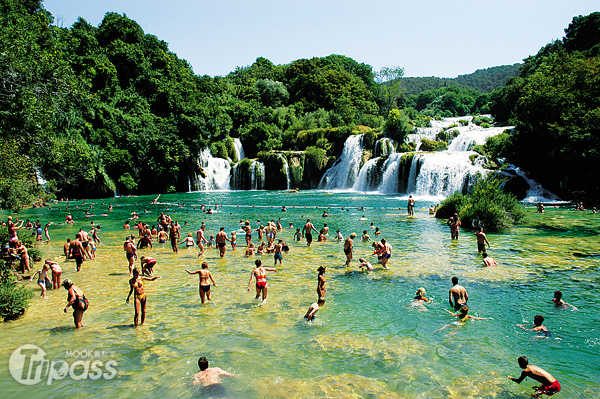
(427, 38)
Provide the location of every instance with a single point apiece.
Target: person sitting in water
(559, 303)
(208, 376)
(488, 260)
(189, 241)
(550, 385)
(313, 309)
(366, 265)
(321, 236)
(538, 320)
(250, 250)
(420, 296)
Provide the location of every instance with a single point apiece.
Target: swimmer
(363, 218)
(204, 284)
(481, 240)
(211, 242)
(420, 296)
(537, 326)
(457, 296)
(261, 279)
(261, 248)
(463, 315)
(298, 235)
(488, 260)
(365, 237)
(386, 254)
(559, 303)
(313, 309)
(56, 273)
(208, 376)
(364, 264)
(550, 385)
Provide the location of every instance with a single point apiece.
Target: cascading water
(287, 170)
(217, 171)
(536, 192)
(345, 170)
(470, 136)
(239, 149)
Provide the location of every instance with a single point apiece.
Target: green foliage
(486, 205)
(14, 300)
(397, 126)
(447, 135)
(389, 88)
(272, 94)
(317, 157)
(406, 147)
(430, 145)
(219, 150)
(480, 120)
(368, 140)
(450, 101)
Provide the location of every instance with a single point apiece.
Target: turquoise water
(367, 341)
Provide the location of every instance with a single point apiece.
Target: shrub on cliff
(485, 205)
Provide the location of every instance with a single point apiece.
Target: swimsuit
(129, 255)
(162, 240)
(142, 295)
(278, 256)
(308, 237)
(81, 303)
(347, 251)
(221, 244)
(261, 282)
(550, 389)
(205, 288)
(480, 247)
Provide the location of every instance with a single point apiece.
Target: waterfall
(391, 168)
(287, 170)
(384, 146)
(257, 181)
(471, 136)
(442, 173)
(536, 192)
(368, 176)
(217, 172)
(345, 170)
(239, 149)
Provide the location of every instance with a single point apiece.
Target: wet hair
(558, 295)
(538, 320)
(203, 363)
(67, 283)
(204, 265)
(484, 254)
(136, 270)
(420, 292)
(464, 309)
(321, 269)
(364, 231)
(523, 361)
(257, 262)
(454, 280)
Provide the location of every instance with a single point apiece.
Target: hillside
(482, 80)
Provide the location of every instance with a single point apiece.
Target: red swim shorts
(550, 389)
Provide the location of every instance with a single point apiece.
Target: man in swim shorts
(348, 245)
(386, 253)
(411, 206)
(457, 296)
(278, 255)
(221, 239)
(550, 385)
(76, 251)
(307, 231)
(130, 253)
(481, 240)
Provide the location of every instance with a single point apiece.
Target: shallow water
(367, 341)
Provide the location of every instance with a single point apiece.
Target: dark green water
(367, 341)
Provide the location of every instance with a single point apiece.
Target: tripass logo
(29, 366)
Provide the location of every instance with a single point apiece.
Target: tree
(389, 89)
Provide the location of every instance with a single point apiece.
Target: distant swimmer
(457, 296)
(411, 206)
(313, 309)
(208, 375)
(488, 260)
(537, 326)
(432, 210)
(550, 385)
(540, 207)
(481, 240)
(261, 279)
(559, 303)
(204, 285)
(363, 218)
(365, 237)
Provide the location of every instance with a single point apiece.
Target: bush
(397, 126)
(406, 147)
(218, 150)
(429, 145)
(486, 205)
(317, 157)
(14, 297)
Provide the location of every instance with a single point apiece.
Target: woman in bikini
(137, 284)
(261, 279)
(321, 282)
(204, 284)
(77, 300)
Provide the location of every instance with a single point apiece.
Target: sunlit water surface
(367, 341)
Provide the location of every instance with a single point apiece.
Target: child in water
(367, 265)
(559, 303)
(313, 309)
(233, 240)
(463, 317)
(211, 242)
(43, 279)
(298, 235)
